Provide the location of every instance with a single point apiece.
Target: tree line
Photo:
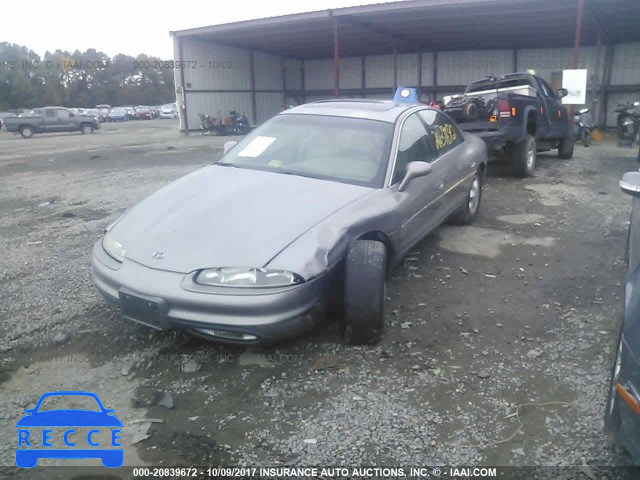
(81, 79)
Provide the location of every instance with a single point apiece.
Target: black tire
(469, 211)
(86, 128)
(523, 157)
(565, 149)
(585, 138)
(26, 131)
(623, 132)
(364, 291)
(612, 419)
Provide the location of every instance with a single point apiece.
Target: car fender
(323, 246)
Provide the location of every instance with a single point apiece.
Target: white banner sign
(575, 81)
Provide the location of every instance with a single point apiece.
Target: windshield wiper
(227, 164)
(297, 174)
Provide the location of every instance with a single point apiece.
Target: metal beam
(395, 66)
(419, 75)
(576, 41)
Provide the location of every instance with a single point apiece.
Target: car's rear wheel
(469, 211)
(364, 291)
(26, 131)
(87, 128)
(523, 157)
(565, 149)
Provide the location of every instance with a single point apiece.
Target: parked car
(93, 112)
(6, 115)
(622, 414)
(118, 114)
(517, 115)
(49, 120)
(155, 112)
(142, 112)
(337, 192)
(168, 111)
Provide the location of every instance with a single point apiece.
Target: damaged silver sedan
(314, 206)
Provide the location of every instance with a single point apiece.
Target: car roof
(381, 110)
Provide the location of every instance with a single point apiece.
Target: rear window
(494, 85)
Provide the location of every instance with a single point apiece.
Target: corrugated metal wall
(626, 64)
(220, 67)
(463, 67)
(268, 104)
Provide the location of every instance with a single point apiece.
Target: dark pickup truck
(50, 120)
(517, 115)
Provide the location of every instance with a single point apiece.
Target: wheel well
(379, 236)
(482, 169)
(532, 123)
(25, 125)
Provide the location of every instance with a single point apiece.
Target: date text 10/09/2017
(328, 472)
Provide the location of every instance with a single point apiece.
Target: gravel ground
(497, 351)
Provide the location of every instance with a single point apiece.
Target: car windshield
(63, 402)
(348, 150)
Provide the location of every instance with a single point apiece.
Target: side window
(62, 114)
(414, 146)
(446, 135)
(49, 113)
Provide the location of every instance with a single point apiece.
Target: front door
(418, 203)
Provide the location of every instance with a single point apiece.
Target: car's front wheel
(364, 291)
(565, 149)
(26, 131)
(87, 128)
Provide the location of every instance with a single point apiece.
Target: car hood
(69, 418)
(224, 216)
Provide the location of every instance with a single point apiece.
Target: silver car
(314, 206)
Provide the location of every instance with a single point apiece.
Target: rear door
(417, 205)
(450, 166)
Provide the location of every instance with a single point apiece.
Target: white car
(168, 111)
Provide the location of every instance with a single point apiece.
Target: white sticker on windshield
(256, 147)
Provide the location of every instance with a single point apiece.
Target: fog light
(227, 334)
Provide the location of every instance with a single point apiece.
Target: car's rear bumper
(231, 315)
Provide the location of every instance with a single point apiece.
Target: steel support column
(576, 47)
(420, 76)
(336, 59)
(395, 66)
(252, 72)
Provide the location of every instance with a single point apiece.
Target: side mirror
(630, 183)
(229, 145)
(414, 170)
(563, 92)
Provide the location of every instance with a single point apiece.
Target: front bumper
(266, 315)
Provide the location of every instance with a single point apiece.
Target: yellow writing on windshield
(444, 135)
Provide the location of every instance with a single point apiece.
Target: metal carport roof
(431, 25)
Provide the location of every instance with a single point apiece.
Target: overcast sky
(132, 26)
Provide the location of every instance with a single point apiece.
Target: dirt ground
(498, 341)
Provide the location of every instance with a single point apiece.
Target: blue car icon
(104, 419)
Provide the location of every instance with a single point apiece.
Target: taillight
(504, 108)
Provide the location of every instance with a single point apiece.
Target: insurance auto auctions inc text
(376, 472)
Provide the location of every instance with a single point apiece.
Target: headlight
(113, 247)
(247, 277)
